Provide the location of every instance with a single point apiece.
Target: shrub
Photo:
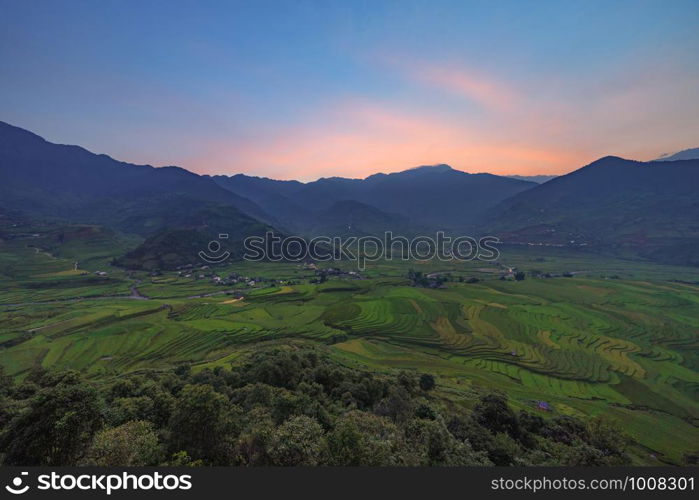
(134, 443)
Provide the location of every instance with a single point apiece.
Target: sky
(309, 89)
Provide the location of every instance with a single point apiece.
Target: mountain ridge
(419, 193)
(612, 203)
(685, 154)
(41, 177)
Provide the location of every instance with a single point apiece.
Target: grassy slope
(586, 345)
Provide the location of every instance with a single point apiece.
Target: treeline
(282, 407)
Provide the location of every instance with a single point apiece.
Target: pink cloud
(488, 92)
(553, 128)
(455, 79)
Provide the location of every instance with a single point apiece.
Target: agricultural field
(611, 337)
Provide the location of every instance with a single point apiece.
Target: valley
(590, 310)
(603, 336)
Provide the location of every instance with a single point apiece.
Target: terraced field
(585, 345)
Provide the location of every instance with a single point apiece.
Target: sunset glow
(350, 90)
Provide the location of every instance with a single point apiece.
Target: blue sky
(309, 89)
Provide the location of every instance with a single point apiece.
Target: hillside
(276, 196)
(649, 209)
(42, 178)
(352, 218)
(182, 241)
(178, 212)
(440, 197)
(434, 197)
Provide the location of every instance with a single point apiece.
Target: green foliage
(427, 382)
(493, 413)
(252, 447)
(57, 425)
(134, 443)
(298, 441)
(398, 405)
(302, 409)
(504, 450)
(181, 459)
(608, 437)
(203, 424)
(365, 439)
(436, 446)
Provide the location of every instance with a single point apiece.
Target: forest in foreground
(284, 406)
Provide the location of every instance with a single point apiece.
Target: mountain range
(615, 204)
(687, 154)
(69, 183)
(436, 197)
(650, 209)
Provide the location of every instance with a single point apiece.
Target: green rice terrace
(595, 336)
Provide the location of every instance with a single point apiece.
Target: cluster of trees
(282, 406)
(420, 279)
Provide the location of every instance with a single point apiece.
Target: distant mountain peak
(419, 170)
(441, 167)
(608, 159)
(685, 154)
